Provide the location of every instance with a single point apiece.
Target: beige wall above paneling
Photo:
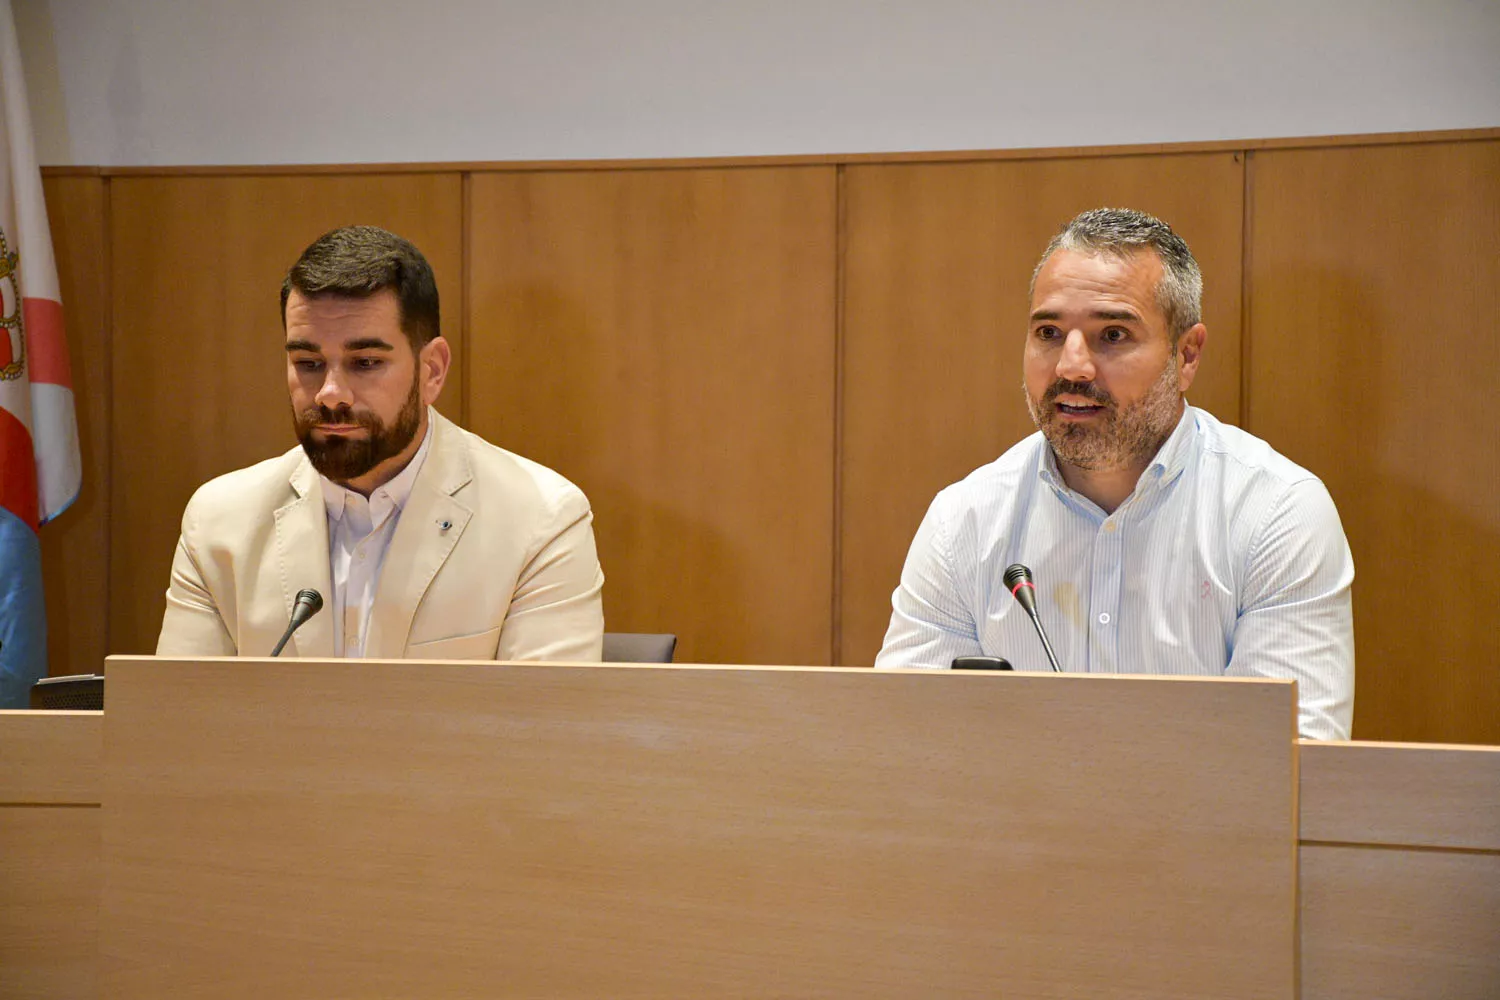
(75, 545)
(199, 378)
(666, 340)
(938, 260)
(1372, 279)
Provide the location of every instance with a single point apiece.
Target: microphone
(309, 603)
(1018, 579)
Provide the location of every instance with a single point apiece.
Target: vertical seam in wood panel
(106, 280)
(836, 646)
(1296, 848)
(465, 327)
(1246, 205)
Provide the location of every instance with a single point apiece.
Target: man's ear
(432, 368)
(1189, 352)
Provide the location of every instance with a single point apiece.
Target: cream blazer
(493, 558)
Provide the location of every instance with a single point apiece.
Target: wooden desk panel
(307, 828)
(1399, 925)
(50, 866)
(1400, 871)
(1405, 794)
(50, 758)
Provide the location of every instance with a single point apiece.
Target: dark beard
(343, 459)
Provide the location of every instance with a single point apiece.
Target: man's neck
(1109, 488)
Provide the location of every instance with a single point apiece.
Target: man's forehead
(346, 321)
(1131, 277)
(1137, 261)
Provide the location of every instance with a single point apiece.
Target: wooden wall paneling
(939, 258)
(75, 545)
(199, 378)
(665, 339)
(1372, 274)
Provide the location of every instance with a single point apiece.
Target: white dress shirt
(1227, 559)
(359, 535)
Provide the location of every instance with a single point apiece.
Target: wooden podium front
(400, 828)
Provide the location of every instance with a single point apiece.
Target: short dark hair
(1121, 232)
(359, 261)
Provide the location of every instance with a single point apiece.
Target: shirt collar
(388, 498)
(1171, 458)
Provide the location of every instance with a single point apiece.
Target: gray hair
(1121, 232)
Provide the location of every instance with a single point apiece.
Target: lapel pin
(444, 524)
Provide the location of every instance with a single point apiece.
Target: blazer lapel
(302, 556)
(431, 524)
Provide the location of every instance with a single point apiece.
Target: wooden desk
(313, 828)
(377, 829)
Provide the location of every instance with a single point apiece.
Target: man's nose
(334, 392)
(1076, 362)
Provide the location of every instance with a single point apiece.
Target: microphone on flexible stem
(1018, 579)
(309, 603)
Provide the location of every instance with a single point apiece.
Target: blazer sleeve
(557, 612)
(192, 625)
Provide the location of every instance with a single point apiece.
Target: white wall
(144, 82)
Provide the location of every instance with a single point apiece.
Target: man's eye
(369, 364)
(307, 364)
(1046, 333)
(1115, 335)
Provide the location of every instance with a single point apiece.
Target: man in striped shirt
(1163, 541)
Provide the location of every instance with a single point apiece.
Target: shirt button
(360, 555)
(1104, 618)
(1110, 526)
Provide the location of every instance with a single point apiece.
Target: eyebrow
(1106, 314)
(362, 344)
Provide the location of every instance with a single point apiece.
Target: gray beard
(1127, 437)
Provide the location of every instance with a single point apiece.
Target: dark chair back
(638, 647)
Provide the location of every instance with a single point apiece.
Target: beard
(341, 458)
(1126, 436)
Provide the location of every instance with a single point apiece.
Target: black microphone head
(310, 599)
(1018, 581)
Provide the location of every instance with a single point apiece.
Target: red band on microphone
(1023, 583)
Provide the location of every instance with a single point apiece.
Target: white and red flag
(40, 470)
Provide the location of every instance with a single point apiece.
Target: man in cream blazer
(424, 540)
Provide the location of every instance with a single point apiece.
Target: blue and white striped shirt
(1227, 559)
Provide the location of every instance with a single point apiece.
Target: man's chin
(335, 460)
(1080, 447)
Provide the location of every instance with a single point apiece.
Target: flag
(40, 469)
